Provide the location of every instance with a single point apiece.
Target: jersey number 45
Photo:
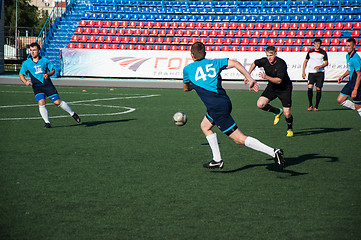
(209, 71)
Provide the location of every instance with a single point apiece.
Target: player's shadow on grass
(96, 123)
(312, 131)
(289, 162)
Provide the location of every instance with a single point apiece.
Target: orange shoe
(309, 108)
(315, 109)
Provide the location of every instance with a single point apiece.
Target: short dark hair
(271, 49)
(351, 40)
(198, 50)
(35, 44)
(317, 40)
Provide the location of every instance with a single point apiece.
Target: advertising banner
(170, 64)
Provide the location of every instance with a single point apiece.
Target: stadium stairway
(63, 33)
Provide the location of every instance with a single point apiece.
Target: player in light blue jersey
(203, 75)
(352, 88)
(39, 69)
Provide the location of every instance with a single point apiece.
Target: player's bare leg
(289, 120)
(343, 101)
(263, 104)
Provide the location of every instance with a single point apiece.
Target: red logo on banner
(132, 63)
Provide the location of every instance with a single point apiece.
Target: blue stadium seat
(243, 18)
(184, 18)
(268, 18)
(209, 18)
(286, 18)
(142, 17)
(260, 18)
(234, 18)
(218, 18)
(233, 4)
(303, 18)
(227, 11)
(186, 11)
(307, 10)
(321, 18)
(242, 4)
(167, 18)
(280, 11)
(277, 18)
(331, 18)
(175, 18)
(220, 11)
(283, 4)
(295, 18)
(245, 11)
(178, 11)
(126, 17)
(252, 18)
(86, 15)
(192, 4)
(118, 16)
(151, 17)
(226, 18)
(193, 18)
(254, 10)
(237, 11)
(159, 17)
(262, 11)
(201, 18)
(312, 18)
(315, 10)
(293, 4)
(109, 16)
(324, 10)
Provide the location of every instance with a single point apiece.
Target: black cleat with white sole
(47, 125)
(213, 164)
(279, 158)
(76, 117)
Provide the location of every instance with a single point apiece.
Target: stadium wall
(169, 64)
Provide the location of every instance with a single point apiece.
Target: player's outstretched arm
(22, 78)
(253, 85)
(342, 77)
(304, 68)
(187, 87)
(357, 85)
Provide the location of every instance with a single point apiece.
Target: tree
(28, 15)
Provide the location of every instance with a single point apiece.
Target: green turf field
(127, 172)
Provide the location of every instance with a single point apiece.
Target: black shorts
(284, 95)
(317, 78)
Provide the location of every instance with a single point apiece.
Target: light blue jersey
(353, 64)
(37, 70)
(205, 73)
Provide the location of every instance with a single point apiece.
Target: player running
(352, 88)
(203, 75)
(39, 70)
(316, 61)
(279, 86)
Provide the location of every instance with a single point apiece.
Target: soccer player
(279, 86)
(352, 88)
(203, 75)
(39, 69)
(316, 61)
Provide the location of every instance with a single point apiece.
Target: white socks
(66, 108)
(257, 145)
(359, 111)
(44, 113)
(213, 143)
(348, 104)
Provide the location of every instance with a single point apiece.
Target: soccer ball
(180, 118)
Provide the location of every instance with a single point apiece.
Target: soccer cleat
(277, 117)
(214, 164)
(76, 117)
(279, 158)
(289, 133)
(47, 125)
(309, 108)
(315, 109)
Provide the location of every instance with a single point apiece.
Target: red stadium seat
(227, 41)
(156, 47)
(125, 40)
(192, 40)
(204, 33)
(210, 41)
(96, 46)
(276, 26)
(355, 33)
(152, 40)
(262, 41)
(78, 31)
(324, 48)
(245, 41)
(300, 34)
(289, 41)
(247, 33)
(71, 45)
(303, 26)
(139, 47)
(120, 32)
(309, 33)
(137, 32)
(273, 34)
(298, 41)
(74, 38)
(83, 39)
(128, 32)
(250, 26)
(242, 49)
(107, 24)
(259, 26)
(230, 33)
(105, 46)
(213, 33)
(112, 31)
(79, 45)
(90, 23)
(216, 25)
(236, 41)
(305, 49)
(326, 41)
(241, 26)
(311, 26)
(184, 41)
(165, 25)
(148, 25)
(279, 49)
(100, 39)
(108, 39)
(140, 25)
(132, 25)
(208, 48)
(117, 39)
(91, 39)
(234, 49)
(294, 26)
(233, 26)
(282, 34)
(182, 48)
(357, 25)
(162, 32)
(359, 49)
(336, 33)
(171, 32)
(296, 49)
(267, 26)
(343, 41)
(285, 26)
(280, 41)
(196, 33)
(224, 25)
(339, 25)
(321, 26)
(256, 34)
(327, 33)
(122, 47)
(271, 41)
(333, 49)
(335, 41)
(142, 40)
(207, 25)
(123, 24)
(182, 25)
(103, 31)
(191, 25)
(342, 49)
(154, 32)
(347, 26)
(82, 23)
(88, 46)
(219, 41)
(199, 25)
(164, 48)
(252, 49)
(173, 25)
(114, 46)
(291, 34)
(130, 47)
(307, 41)
(265, 34)
(179, 33)
(287, 49)
(147, 47)
(221, 33)
(260, 49)
(330, 25)
(95, 31)
(187, 33)
(318, 34)
(167, 40)
(239, 33)
(225, 48)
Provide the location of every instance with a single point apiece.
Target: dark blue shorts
(221, 116)
(48, 91)
(347, 90)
